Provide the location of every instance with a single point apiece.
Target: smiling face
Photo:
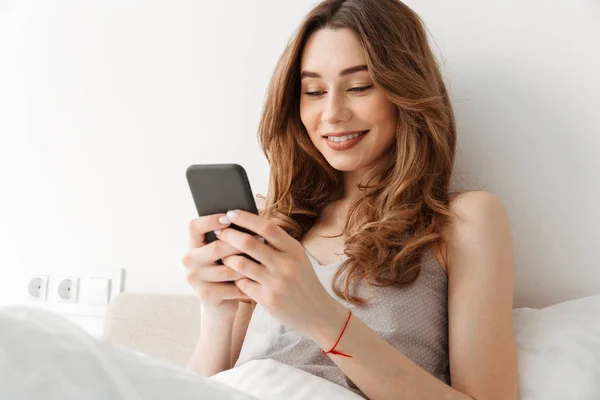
(338, 95)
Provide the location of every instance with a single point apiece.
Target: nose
(335, 110)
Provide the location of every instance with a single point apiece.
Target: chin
(343, 165)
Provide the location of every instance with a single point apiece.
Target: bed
(558, 346)
(148, 338)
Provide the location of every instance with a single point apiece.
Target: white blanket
(45, 356)
(272, 380)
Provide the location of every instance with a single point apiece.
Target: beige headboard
(161, 325)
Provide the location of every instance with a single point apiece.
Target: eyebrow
(344, 72)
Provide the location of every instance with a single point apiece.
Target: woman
(360, 135)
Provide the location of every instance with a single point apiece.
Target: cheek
(382, 110)
(309, 118)
(384, 115)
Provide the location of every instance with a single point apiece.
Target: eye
(361, 88)
(313, 94)
(358, 89)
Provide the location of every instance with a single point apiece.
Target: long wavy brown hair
(403, 206)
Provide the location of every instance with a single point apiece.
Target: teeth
(340, 139)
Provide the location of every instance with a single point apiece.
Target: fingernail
(231, 215)
(224, 220)
(262, 239)
(217, 232)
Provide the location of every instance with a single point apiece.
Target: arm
(220, 341)
(482, 351)
(240, 327)
(213, 350)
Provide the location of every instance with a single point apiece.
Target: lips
(337, 134)
(347, 144)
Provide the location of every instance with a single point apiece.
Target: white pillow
(558, 350)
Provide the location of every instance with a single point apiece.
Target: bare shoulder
(479, 216)
(475, 204)
(481, 224)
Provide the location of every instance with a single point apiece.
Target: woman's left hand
(284, 283)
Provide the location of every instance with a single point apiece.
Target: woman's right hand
(211, 281)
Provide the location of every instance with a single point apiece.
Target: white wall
(524, 80)
(104, 104)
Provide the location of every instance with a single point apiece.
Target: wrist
(325, 330)
(216, 317)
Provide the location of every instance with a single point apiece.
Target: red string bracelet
(333, 351)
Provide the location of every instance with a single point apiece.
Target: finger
(247, 268)
(208, 254)
(198, 227)
(250, 288)
(214, 251)
(214, 273)
(261, 226)
(249, 245)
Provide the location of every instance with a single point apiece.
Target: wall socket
(67, 289)
(87, 293)
(37, 287)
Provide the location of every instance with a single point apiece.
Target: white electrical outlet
(37, 287)
(87, 292)
(67, 289)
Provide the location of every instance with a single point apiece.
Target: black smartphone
(218, 188)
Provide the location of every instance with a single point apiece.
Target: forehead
(328, 51)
